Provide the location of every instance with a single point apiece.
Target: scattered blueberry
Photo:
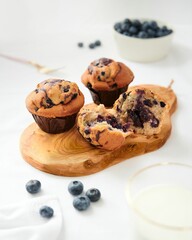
(97, 43)
(75, 188)
(46, 212)
(33, 186)
(80, 44)
(81, 203)
(93, 194)
(138, 29)
(91, 45)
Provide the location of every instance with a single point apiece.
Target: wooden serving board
(68, 154)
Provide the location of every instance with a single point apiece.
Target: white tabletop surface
(110, 217)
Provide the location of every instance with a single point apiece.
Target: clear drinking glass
(160, 196)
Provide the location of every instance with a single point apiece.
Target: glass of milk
(160, 196)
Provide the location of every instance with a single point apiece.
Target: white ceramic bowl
(143, 50)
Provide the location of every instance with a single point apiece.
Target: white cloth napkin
(22, 221)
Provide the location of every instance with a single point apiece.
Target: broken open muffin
(135, 112)
(142, 109)
(100, 127)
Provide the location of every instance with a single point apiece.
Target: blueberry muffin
(139, 111)
(54, 105)
(107, 79)
(142, 110)
(100, 127)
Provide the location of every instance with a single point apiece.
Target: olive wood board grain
(68, 154)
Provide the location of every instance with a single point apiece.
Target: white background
(48, 32)
(25, 19)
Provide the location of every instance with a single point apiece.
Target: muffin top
(55, 98)
(106, 74)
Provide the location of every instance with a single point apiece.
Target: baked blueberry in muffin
(54, 104)
(107, 79)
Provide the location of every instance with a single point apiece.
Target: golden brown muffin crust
(107, 75)
(55, 98)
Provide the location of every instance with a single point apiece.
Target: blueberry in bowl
(142, 40)
(142, 29)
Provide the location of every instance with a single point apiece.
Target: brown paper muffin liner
(55, 125)
(107, 97)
